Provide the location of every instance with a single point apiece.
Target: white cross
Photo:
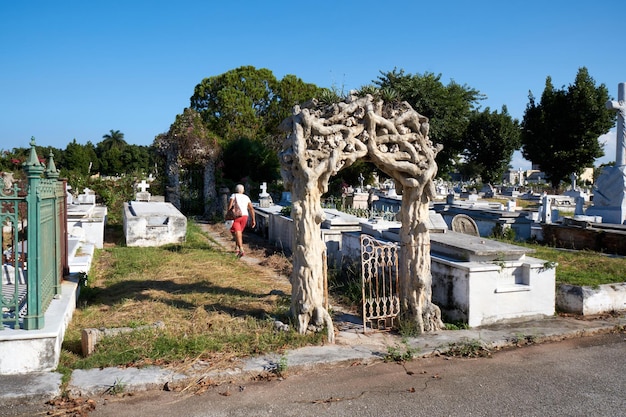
(620, 106)
(143, 186)
(264, 189)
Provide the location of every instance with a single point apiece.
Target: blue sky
(78, 69)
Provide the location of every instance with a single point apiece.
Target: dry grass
(213, 305)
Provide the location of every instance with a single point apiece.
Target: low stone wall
(586, 300)
(586, 237)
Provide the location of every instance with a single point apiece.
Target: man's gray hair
(239, 188)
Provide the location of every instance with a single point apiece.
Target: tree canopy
(246, 105)
(560, 133)
(448, 108)
(490, 140)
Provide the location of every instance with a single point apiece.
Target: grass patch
(214, 306)
(399, 353)
(584, 267)
(468, 349)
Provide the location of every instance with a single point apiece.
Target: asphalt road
(583, 376)
(577, 377)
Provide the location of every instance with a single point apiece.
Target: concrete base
(153, 224)
(609, 198)
(27, 351)
(588, 300)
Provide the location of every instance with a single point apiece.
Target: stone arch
(323, 139)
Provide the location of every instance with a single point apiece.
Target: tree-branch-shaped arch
(322, 140)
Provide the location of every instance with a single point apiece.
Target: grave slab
(153, 224)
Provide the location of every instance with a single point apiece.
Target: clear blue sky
(78, 69)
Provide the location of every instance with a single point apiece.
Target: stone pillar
(224, 194)
(609, 197)
(546, 210)
(620, 107)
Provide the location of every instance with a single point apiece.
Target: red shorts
(239, 224)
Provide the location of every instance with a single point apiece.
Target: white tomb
(153, 224)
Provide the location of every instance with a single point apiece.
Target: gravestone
(142, 193)
(88, 197)
(462, 223)
(265, 199)
(609, 198)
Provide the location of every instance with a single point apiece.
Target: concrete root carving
(323, 139)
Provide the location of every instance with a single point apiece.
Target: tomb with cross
(265, 199)
(609, 197)
(142, 191)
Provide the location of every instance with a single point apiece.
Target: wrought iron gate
(379, 272)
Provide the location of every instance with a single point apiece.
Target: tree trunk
(309, 250)
(414, 268)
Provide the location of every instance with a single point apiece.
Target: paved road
(577, 377)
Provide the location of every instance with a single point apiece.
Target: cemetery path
(259, 252)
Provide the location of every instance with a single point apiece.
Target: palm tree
(113, 139)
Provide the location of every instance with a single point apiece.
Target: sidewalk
(351, 346)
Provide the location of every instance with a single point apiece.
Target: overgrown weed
(214, 307)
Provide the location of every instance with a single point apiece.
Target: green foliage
(583, 267)
(560, 133)
(190, 140)
(458, 325)
(468, 349)
(448, 108)
(407, 327)
(245, 158)
(504, 233)
(235, 104)
(330, 96)
(286, 211)
(400, 353)
(113, 193)
(346, 283)
(491, 139)
(117, 388)
(281, 366)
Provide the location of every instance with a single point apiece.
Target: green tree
(289, 92)
(138, 159)
(79, 158)
(560, 133)
(111, 162)
(490, 140)
(110, 151)
(249, 103)
(113, 139)
(245, 158)
(234, 104)
(448, 108)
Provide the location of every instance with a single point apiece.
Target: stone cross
(263, 189)
(620, 107)
(143, 186)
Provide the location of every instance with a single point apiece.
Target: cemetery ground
(211, 306)
(216, 308)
